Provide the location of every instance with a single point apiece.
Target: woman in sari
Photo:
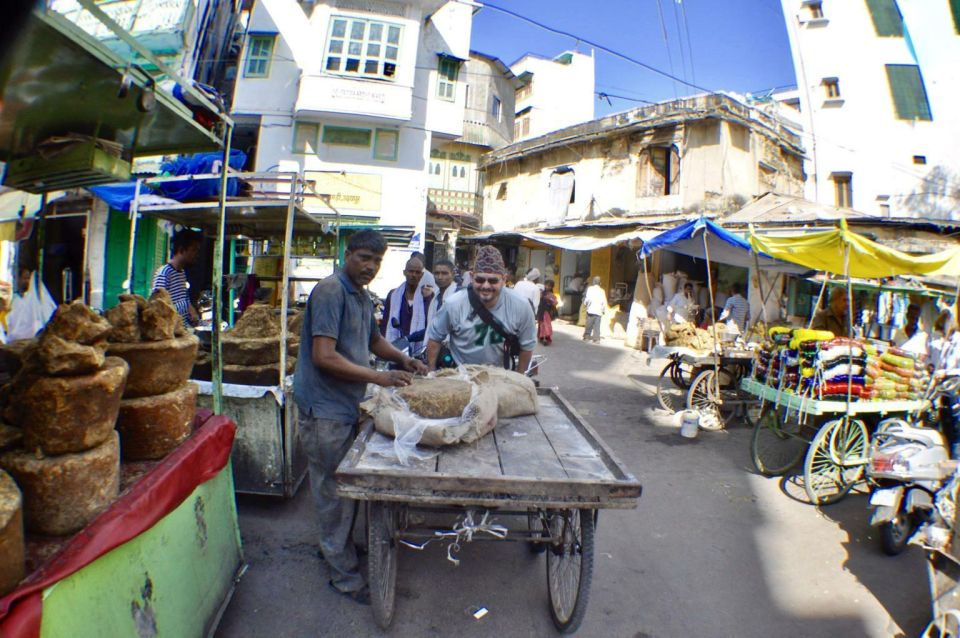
(546, 313)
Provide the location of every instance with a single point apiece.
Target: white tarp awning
(585, 238)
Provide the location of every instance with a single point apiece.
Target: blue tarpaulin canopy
(724, 247)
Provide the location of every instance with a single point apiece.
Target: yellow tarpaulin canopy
(827, 251)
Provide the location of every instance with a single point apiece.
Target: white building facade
(354, 94)
(554, 93)
(879, 90)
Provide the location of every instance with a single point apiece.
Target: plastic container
(689, 424)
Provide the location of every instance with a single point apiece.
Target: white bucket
(689, 424)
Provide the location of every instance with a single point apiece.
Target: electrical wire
(666, 44)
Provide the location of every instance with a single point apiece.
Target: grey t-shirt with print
(471, 340)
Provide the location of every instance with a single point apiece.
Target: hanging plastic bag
(31, 312)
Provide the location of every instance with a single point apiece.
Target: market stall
(822, 392)
(705, 367)
(248, 373)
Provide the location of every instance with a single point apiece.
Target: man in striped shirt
(736, 308)
(172, 278)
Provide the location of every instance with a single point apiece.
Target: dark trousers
(592, 331)
(326, 442)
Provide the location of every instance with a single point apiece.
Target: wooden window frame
(259, 57)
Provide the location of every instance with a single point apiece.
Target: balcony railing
(456, 203)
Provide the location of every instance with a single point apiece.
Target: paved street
(712, 550)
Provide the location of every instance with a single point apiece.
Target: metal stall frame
(267, 456)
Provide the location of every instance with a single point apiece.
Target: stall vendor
(835, 317)
(172, 278)
(333, 369)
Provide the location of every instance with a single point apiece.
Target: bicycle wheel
(382, 561)
(703, 398)
(776, 446)
(570, 567)
(670, 396)
(682, 374)
(835, 460)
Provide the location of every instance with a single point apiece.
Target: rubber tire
(533, 525)
(669, 395)
(587, 534)
(771, 432)
(895, 534)
(849, 476)
(382, 561)
(696, 393)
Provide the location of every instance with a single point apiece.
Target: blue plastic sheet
(200, 164)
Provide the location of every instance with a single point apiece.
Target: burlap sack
(516, 393)
(391, 414)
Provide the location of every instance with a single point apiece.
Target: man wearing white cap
(530, 289)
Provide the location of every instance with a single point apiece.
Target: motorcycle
(906, 466)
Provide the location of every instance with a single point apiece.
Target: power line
(598, 46)
(676, 20)
(666, 43)
(686, 28)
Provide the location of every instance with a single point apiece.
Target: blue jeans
(326, 442)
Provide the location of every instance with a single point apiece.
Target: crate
(80, 164)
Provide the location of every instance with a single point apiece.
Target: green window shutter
(346, 136)
(886, 18)
(955, 10)
(908, 92)
(259, 54)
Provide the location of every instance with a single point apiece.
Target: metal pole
(763, 299)
(285, 277)
(134, 214)
(846, 271)
(215, 351)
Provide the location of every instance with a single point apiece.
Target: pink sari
(544, 322)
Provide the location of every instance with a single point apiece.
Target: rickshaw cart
(832, 438)
(550, 471)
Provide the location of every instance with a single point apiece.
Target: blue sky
(734, 45)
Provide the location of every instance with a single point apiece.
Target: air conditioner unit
(81, 164)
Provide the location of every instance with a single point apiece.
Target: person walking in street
(487, 323)
(736, 308)
(546, 313)
(338, 334)
(405, 309)
(529, 288)
(595, 300)
(172, 278)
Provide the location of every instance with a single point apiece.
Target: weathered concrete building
(710, 153)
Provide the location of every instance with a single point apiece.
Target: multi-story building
(879, 90)
(355, 94)
(553, 93)
(456, 184)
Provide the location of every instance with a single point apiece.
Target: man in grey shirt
(472, 340)
(333, 369)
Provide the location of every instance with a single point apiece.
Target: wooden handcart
(549, 474)
(832, 438)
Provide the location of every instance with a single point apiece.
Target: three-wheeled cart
(832, 438)
(549, 473)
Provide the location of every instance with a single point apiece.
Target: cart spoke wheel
(382, 561)
(682, 374)
(776, 446)
(835, 460)
(570, 567)
(670, 395)
(703, 398)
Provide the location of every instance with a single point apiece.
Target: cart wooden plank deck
(551, 469)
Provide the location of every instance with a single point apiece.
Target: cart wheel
(776, 446)
(702, 397)
(669, 393)
(382, 561)
(570, 567)
(682, 376)
(835, 460)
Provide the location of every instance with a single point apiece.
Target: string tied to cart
(463, 531)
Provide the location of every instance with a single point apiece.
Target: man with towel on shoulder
(405, 309)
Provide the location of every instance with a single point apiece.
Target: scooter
(906, 466)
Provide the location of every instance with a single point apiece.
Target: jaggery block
(158, 321)
(78, 322)
(12, 546)
(249, 351)
(156, 367)
(61, 494)
(152, 427)
(437, 398)
(70, 414)
(58, 357)
(125, 319)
